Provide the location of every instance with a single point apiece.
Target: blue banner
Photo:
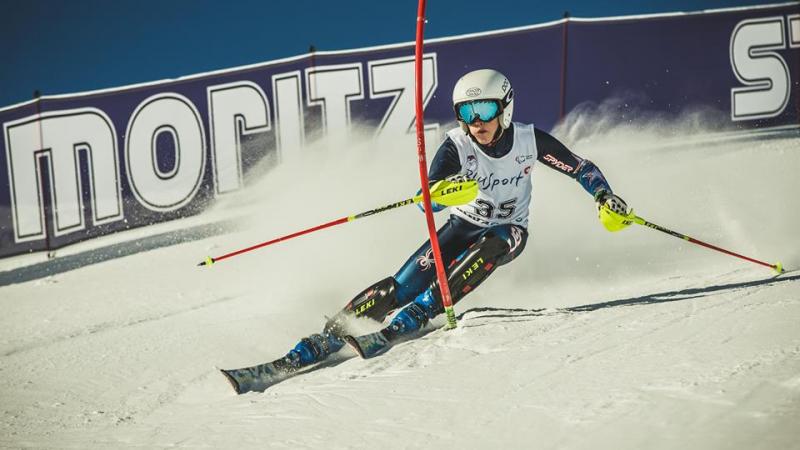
(85, 165)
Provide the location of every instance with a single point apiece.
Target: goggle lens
(483, 110)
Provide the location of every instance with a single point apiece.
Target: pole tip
(207, 262)
(452, 323)
(778, 268)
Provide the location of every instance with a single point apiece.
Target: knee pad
(375, 302)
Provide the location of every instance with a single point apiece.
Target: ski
(260, 377)
(369, 345)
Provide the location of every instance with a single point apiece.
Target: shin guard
(467, 271)
(375, 302)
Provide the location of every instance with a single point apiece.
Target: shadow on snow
(661, 297)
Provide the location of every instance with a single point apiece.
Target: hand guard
(612, 211)
(436, 207)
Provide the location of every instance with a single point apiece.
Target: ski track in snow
(105, 327)
(588, 341)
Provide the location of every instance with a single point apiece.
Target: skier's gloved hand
(457, 178)
(612, 210)
(614, 202)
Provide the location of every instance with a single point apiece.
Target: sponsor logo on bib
(491, 181)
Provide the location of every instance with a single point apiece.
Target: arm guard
(591, 179)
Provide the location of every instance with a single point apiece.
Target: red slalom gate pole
(447, 301)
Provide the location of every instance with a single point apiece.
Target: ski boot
(308, 351)
(405, 323)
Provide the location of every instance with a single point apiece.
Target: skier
(478, 237)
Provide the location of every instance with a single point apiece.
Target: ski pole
(778, 267)
(444, 192)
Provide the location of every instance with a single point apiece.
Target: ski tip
(231, 380)
(351, 341)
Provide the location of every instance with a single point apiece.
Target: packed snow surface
(589, 340)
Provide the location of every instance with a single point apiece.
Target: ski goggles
(483, 110)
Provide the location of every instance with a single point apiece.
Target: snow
(589, 340)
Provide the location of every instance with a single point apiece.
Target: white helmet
(485, 84)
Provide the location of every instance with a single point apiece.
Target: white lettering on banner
(763, 71)
(62, 140)
(173, 135)
(153, 189)
(290, 130)
(794, 30)
(392, 78)
(58, 138)
(333, 88)
(234, 108)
